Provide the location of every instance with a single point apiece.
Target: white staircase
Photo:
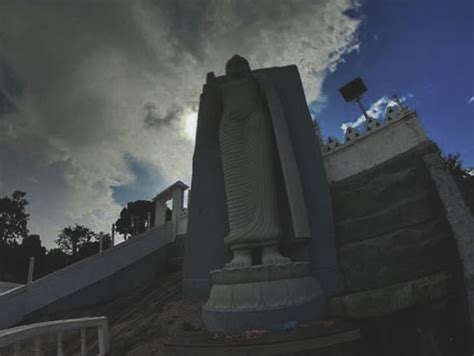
(17, 303)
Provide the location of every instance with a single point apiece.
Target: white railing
(352, 134)
(16, 336)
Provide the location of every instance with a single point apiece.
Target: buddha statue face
(237, 67)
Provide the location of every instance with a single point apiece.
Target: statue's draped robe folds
(280, 139)
(248, 162)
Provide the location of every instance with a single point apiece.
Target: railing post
(16, 350)
(83, 342)
(160, 212)
(37, 346)
(31, 268)
(113, 235)
(60, 344)
(101, 340)
(101, 244)
(33, 333)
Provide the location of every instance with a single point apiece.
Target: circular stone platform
(262, 297)
(328, 338)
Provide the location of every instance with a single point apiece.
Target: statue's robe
(303, 190)
(249, 166)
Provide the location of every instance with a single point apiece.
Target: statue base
(269, 297)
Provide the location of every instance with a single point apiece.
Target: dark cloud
(144, 185)
(11, 87)
(154, 120)
(75, 76)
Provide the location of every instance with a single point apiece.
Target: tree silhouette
(74, 242)
(90, 248)
(71, 239)
(13, 217)
(30, 246)
(133, 219)
(55, 259)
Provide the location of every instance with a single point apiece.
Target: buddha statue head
(237, 67)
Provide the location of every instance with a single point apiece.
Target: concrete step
(377, 192)
(415, 209)
(410, 159)
(388, 300)
(399, 256)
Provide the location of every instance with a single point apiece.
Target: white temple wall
(367, 150)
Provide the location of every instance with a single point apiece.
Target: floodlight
(353, 91)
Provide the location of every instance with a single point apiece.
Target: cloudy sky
(98, 99)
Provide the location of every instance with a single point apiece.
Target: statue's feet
(272, 256)
(242, 258)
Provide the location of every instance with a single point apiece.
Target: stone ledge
(412, 211)
(259, 296)
(332, 337)
(385, 301)
(262, 305)
(261, 273)
(397, 257)
(245, 316)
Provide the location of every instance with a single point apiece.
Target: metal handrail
(17, 334)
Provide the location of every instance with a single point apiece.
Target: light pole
(353, 91)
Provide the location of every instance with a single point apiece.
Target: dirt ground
(139, 322)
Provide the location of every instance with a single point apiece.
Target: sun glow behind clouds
(189, 124)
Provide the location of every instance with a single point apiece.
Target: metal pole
(101, 340)
(148, 221)
(37, 346)
(113, 235)
(83, 342)
(134, 229)
(60, 344)
(101, 243)
(362, 109)
(31, 268)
